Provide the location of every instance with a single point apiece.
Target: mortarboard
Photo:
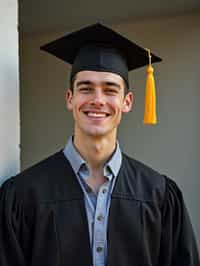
(99, 48)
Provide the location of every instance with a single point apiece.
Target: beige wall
(171, 147)
(9, 90)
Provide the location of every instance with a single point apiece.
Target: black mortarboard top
(99, 48)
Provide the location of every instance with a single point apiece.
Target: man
(90, 204)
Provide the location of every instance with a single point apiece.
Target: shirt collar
(73, 156)
(114, 163)
(111, 167)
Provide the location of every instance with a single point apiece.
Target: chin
(99, 132)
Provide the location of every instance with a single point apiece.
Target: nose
(98, 98)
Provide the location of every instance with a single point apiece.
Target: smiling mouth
(96, 114)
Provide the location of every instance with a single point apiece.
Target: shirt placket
(99, 236)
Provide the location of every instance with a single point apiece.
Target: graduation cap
(99, 48)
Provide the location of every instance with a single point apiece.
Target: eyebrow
(88, 82)
(84, 82)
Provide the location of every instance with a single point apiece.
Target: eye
(111, 91)
(85, 89)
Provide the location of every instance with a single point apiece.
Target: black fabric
(100, 58)
(109, 51)
(43, 219)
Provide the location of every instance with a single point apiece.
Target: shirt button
(104, 190)
(99, 249)
(100, 217)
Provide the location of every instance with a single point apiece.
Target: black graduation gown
(43, 220)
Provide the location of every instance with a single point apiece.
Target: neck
(95, 150)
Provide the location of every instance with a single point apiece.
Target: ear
(128, 102)
(68, 99)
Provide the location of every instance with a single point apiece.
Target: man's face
(97, 102)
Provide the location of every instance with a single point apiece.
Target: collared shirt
(97, 205)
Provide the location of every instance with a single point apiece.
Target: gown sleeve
(13, 228)
(178, 245)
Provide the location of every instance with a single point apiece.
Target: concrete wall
(9, 90)
(172, 147)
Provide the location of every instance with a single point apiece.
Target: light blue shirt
(97, 205)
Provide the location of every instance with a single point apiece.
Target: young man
(90, 204)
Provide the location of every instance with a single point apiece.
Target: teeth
(96, 114)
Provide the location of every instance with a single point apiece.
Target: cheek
(117, 105)
(79, 103)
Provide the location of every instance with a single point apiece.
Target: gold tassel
(150, 96)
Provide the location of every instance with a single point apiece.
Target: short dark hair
(72, 79)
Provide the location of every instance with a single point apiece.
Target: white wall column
(9, 90)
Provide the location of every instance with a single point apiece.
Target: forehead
(99, 77)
